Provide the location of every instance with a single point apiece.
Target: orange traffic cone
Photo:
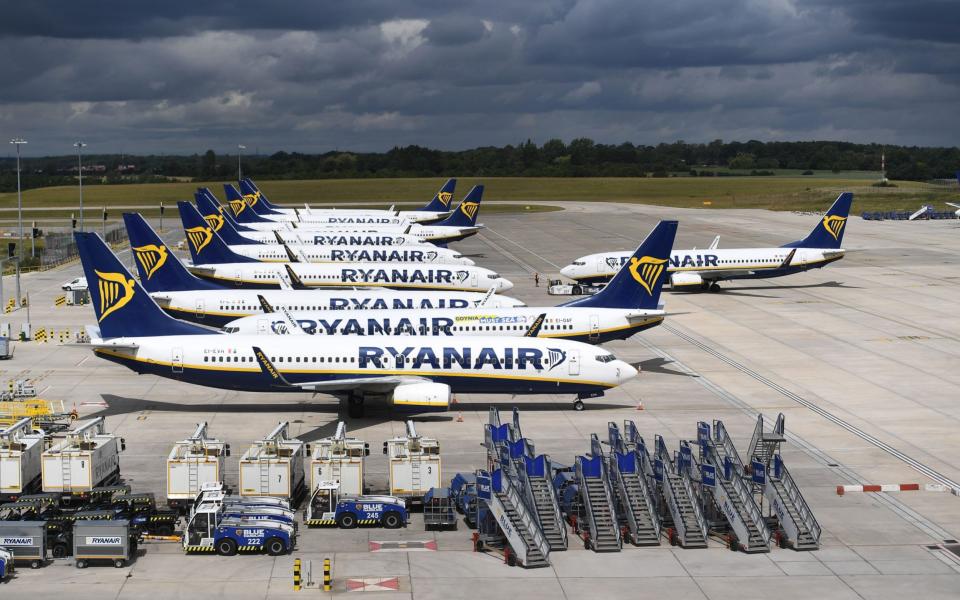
(459, 417)
(640, 405)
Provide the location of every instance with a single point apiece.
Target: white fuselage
(336, 238)
(413, 216)
(347, 275)
(217, 307)
(584, 324)
(335, 219)
(422, 233)
(469, 365)
(709, 264)
(377, 254)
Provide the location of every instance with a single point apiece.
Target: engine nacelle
(424, 396)
(682, 280)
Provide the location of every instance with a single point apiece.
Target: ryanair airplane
(436, 209)
(462, 223)
(629, 304)
(187, 297)
(194, 224)
(213, 260)
(419, 374)
(703, 269)
(222, 222)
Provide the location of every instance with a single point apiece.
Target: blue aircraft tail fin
(251, 185)
(220, 221)
(829, 231)
(441, 201)
(242, 212)
(206, 245)
(638, 282)
(255, 199)
(122, 306)
(466, 213)
(209, 206)
(160, 270)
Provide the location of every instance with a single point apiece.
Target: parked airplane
(312, 253)
(213, 260)
(221, 220)
(436, 209)
(133, 331)
(187, 297)
(629, 304)
(462, 223)
(705, 268)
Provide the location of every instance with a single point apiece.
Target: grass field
(775, 193)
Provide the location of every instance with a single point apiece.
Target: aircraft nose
(504, 284)
(568, 271)
(625, 372)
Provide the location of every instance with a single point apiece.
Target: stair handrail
(796, 498)
(554, 503)
(723, 438)
(533, 526)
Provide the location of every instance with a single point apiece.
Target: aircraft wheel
(355, 408)
(715, 287)
(578, 405)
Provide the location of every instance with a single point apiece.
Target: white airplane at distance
(703, 269)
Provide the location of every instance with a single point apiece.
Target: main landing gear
(706, 286)
(355, 407)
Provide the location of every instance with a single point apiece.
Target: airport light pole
(19, 142)
(80, 146)
(240, 149)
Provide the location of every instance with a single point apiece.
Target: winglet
(295, 280)
(534, 328)
(266, 306)
(486, 297)
(789, 259)
(267, 368)
(291, 256)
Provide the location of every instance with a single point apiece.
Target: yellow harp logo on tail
(445, 198)
(115, 291)
(253, 198)
(238, 206)
(834, 225)
(199, 237)
(214, 221)
(470, 209)
(646, 271)
(151, 257)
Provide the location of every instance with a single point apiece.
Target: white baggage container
(193, 462)
(86, 459)
(20, 450)
(414, 464)
(339, 459)
(273, 466)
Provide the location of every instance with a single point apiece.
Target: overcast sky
(182, 76)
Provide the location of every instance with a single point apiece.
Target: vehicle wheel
(391, 520)
(275, 547)
(119, 563)
(512, 560)
(347, 521)
(478, 546)
(732, 542)
(576, 290)
(81, 564)
(165, 529)
(715, 287)
(586, 544)
(578, 405)
(226, 547)
(59, 551)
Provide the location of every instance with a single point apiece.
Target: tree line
(581, 157)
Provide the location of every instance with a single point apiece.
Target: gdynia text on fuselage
(421, 373)
(437, 208)
(460, 224)
(701, 268)
(185, 296)
(630, 303)
(197, 230)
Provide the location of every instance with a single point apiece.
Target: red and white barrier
(892, 487)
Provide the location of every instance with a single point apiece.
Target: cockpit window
(231, 329)
(605, 358)
(493, 276)
(579, 263)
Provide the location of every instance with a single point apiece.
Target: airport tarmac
(861, 358)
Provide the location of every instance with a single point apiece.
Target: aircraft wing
(366, 384)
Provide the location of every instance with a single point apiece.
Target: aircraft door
(602, 266)
(473, 280)
(262, 326)
(200, 308)
(176, 360)
(239, 279)
(574, 361)
(594, 327)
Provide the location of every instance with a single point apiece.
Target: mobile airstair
(632, 494)
(599, 511)
(798, 528)
(689, 525)
(517, 523)
(732, 493)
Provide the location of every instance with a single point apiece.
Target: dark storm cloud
(366, 75)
